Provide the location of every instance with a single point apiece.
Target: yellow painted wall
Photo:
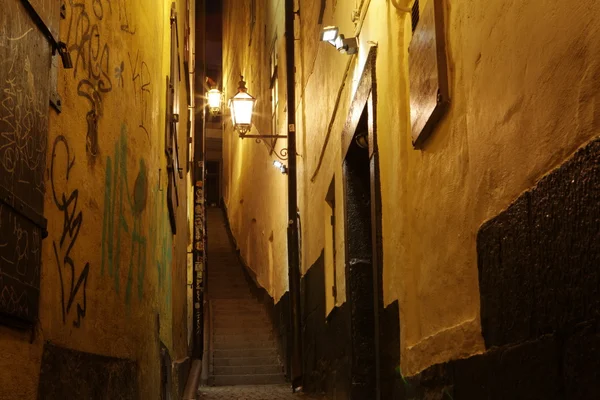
(137, 268)
(524, 96)
(255, 192)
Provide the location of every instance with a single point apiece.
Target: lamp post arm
(264, 136)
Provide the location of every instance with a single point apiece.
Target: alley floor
(258, 392)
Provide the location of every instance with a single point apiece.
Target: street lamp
(214, 101)
(242, 106)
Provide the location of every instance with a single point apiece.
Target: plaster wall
(255, 192)
(524, 79)
(113, 276)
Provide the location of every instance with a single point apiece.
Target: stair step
(234, 330)
(241, 323)
(244, 353)
(226, 316)
(230, 286)
(224, 342)
(232, 380)
(240, 336)
(272, 369)
(243, 344)
(215, 293)
(242, 306)
(240, 315)
(244, 361)
(252, 300)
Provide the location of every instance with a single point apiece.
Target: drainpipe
(292, 232)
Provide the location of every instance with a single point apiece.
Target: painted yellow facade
(106, 204)
(524, 97)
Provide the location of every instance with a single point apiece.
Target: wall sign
(428, 72)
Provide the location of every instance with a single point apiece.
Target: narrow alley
(299, 199)
(244, 361)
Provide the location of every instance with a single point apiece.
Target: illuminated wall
(113, 274)
(523, 99)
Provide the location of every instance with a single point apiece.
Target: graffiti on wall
(23, 138)
(92, 65)
(124, 203)
(142, 89)
(19, 259)
(198, 265)
(162, 245)
(22, 118)
(73, 277)
(91, 60)
(124, 15)
(97, 72)
(125, 243)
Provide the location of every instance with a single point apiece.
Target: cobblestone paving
(262, 392)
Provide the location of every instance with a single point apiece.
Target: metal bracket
(264, 136)
(56, 101)
(61, 47)
(22, 209)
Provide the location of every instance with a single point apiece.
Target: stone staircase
(243, 349)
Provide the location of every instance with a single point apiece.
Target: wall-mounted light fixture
(215, 99)
(242, 108)
(281, 166)
(331, 34)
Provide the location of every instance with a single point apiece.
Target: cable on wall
(332, 120)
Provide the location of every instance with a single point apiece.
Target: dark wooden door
(25, 62)
(213, 184)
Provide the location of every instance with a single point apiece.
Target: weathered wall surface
(524, 96)
(538, 280)
(113, 275)
(523, 99)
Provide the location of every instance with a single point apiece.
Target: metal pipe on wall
(292, 231)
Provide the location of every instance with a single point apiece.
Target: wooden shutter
(25, 62)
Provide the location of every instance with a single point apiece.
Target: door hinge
(61, 47)
(22, 209)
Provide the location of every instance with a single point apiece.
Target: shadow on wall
(70, 374)
(540, 305)
(125, 202)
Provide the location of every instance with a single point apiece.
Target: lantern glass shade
(242, 106)
(214, 100)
